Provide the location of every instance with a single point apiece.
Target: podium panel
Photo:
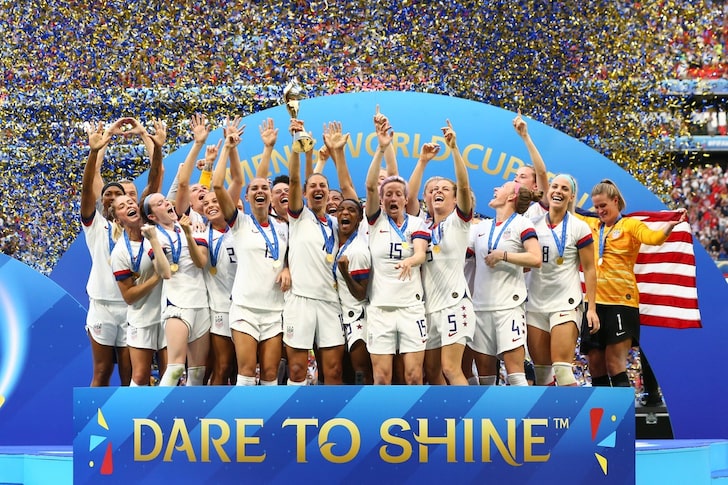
(354, 434)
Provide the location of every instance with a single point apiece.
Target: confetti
(590, 69)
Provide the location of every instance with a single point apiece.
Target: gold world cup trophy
(292, 95)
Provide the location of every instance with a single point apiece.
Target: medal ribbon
(603, 238)
(216, 251)
(341, 252)
(491, 246)
(135, 262)
(400, 232)
(175, 253)
(328, 240)
(273, 248)
(560, 245)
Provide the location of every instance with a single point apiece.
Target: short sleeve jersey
(387, 249)
(502, 286)
(553, 286)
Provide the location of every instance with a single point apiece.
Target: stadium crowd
(66, 63)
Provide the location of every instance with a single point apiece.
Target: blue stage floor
(659, 462)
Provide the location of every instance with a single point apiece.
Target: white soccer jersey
(186, 288)
(219, 281)
(535, 210)
(360, 263)
(443, 274)
(502, 286)
(99, 240)
(557, 287)
(255, 281)
(310, 241)
(147, 310)
(387, 249)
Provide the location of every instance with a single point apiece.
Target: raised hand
(449, 134)
(429, 151)
(334, 139)
(200, 128)
(385, 134)
(520, 125)
(160, 133)
(98, 138)
(268, 133)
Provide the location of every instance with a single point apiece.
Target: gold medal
(436, 248)
(330, 258)
(135, 274)
(405, 245)
(559, 260)
(174, 267)
(336, 286)
(600, 261)
(213, 270)
(276, 263)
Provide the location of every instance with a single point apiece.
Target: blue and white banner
(354, 434)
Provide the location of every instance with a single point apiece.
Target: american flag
(666, 275)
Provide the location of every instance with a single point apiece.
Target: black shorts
(616, 323)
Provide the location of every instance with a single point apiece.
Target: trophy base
(302, 143)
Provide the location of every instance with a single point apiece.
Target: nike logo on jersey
(563, 314)
(619, 334)
(382, 231)
(481, 235)
(451, 334)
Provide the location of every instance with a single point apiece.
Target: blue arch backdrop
(493, 152)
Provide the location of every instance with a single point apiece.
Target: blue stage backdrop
(493, 152)
(43, 355)
(354, 434)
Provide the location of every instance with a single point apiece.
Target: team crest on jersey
(507, 234)
(97, 328)
(616, 233)
(289, 331)
(132, 335)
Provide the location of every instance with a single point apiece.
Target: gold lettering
(529, 440)
(355, 147)
(276, 158)
(466, 155)
(248, 173)
(300, 424)
(327, 448)
(514, 163)
(243, 440)
(416, 146)
(424, 439)
(401, 140)
(371, 137)
(583, 200)
(468, 440)
(158, 438)
(486, 164)
(205, 425)
(179, 430)
(387, 437)
(489, 434)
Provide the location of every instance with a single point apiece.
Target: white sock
(172, 374)
(268, 383)
(196, 375)
(293, 383)
(544, 375)
(517, 379)
(486, 380)
(133, 384)
(564, 374)
(473, 381)
(245, 381)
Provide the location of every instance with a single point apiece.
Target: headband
(113, 184)
(571, 180)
